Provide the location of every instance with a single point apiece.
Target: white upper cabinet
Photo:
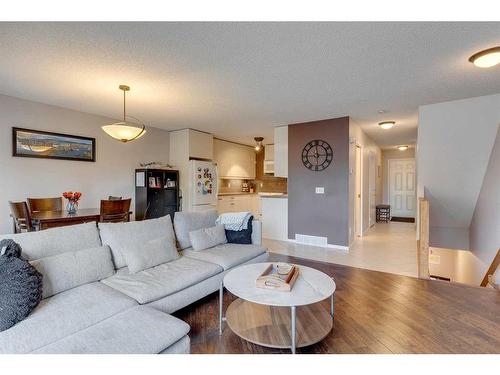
(269, 152)
(234, 160)
(281, 151)
(200, 145)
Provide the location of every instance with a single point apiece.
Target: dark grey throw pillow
(20, 289)
(242, 237)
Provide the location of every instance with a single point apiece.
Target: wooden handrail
(423, 239)
(488, 278)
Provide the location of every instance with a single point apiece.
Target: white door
(372, 187)
(358, 216)
(402, 197)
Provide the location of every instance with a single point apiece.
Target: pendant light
(258, 143)
(125, 131)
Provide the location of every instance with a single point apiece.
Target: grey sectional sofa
(102, 308)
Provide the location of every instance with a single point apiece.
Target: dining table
(51, 219)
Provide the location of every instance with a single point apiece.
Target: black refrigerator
(156, 193)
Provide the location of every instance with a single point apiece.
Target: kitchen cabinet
(274, 217)
(281, 151)
(234, 160)
(239, 203)
(269, 152)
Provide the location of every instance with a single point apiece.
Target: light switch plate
(320, 190)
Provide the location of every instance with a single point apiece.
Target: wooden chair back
(115, 211)
(21, 216)
(45, 204)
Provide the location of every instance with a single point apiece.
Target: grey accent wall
(111, 174)
(485, 226)
(324, 215)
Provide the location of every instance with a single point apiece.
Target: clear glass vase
(72, 206)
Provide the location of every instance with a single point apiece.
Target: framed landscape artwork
(46, 145)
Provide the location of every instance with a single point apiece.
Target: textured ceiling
(239, 80)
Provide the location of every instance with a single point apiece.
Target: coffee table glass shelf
(278, 319)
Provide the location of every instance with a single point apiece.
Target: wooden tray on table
(271, 279)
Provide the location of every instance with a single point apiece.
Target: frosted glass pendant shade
(124, 132)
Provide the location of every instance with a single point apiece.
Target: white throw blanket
(234, 220)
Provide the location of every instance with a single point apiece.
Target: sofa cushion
(160, 281)
(63, 315)
(139, 330)
(205, 238)
(227, 255)
(45, 243)
(69, 270)
(133, 235)
(150, 254)
(185, 222)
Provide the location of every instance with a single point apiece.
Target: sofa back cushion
(185, 222)
(206, 238)
(50, 242)
(152, 253)
(134, 235)
(69, 270)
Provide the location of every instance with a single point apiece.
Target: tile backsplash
(269, 184)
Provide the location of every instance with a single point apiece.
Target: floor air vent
(311, 240)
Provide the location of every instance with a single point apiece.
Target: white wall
(111, 174)
(367, 146)
(455, 140)
(389, 155)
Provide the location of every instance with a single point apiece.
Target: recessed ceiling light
(386, 124)
(382, 111)
(402, 148)
(487, 58)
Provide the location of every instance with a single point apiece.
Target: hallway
(385, 247)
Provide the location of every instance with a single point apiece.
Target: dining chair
(45, 204)
(112, 198)
(115, 211)
(21, 217)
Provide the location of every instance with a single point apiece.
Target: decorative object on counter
(125, 131)
(317, 155)
(156, 165)
(73, 198)
(244, 186)
(280, 277)
(21, 286)
(47, 145)
(258, 143)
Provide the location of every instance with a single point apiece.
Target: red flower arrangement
(73, 199)
(69, 195)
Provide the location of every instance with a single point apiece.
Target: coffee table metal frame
(293, 315)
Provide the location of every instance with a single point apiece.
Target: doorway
(358, 183)
(402, 192)
(372, 188)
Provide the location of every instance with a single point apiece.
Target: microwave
(268, 166)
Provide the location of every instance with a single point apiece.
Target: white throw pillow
(152, 253)
(206, 238)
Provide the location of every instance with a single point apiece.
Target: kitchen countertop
(264, 195)
(235, 193)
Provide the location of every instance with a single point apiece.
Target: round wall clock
(317, 155)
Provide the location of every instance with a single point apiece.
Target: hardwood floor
(375, 312)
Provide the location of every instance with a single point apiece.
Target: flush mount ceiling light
(125, 131)
(487, 58)
(402, 148)
(386, 124)
(258, 143)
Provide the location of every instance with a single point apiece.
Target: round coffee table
(278, 319)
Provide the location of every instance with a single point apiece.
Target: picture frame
(30, 143)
